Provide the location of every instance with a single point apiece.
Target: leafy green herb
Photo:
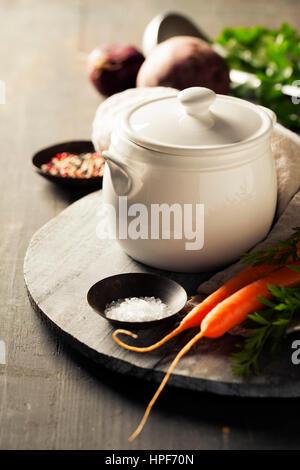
(280, 254)
(273, 56)
(268, 326)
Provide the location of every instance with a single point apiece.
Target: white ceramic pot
(207, 153)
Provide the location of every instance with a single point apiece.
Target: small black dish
(127, 285)
(75, 146)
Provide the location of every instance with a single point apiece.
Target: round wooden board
(66, 257)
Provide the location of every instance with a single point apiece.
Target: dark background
(50, 397)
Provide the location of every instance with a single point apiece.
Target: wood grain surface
(67, 256)
(51, 397)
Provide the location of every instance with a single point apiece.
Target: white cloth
(286, 151)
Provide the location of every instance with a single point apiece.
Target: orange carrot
(228, 313)
(236, 308)
(174, 363)
(196, 315)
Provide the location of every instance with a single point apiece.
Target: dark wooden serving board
(65, 257)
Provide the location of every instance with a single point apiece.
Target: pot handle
(119, 174)
(196, 102)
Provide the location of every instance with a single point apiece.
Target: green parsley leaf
(273, 56)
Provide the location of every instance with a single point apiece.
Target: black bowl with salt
(137, 300)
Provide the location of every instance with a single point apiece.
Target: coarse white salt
(137, 309)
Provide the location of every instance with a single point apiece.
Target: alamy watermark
(296, 99)
(2, 92)
(154, 222)
(296, 354)
(2, 352)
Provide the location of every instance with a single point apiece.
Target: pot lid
(195, 119)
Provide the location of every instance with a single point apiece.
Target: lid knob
(197, 101)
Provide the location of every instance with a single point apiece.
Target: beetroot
(113, 67)
(182, 62)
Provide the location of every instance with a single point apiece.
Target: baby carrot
(174, 363)
(236, 308)
(228, 313)
(196, 315)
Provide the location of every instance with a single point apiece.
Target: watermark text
(2, 92)
(2, 352)
(155, 222)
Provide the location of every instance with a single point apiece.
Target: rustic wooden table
(50, 396)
